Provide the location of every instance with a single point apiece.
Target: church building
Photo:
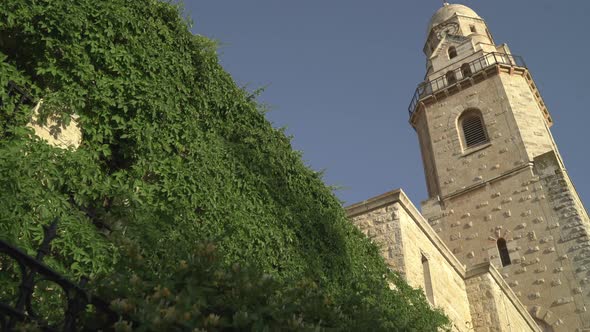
(502, 241)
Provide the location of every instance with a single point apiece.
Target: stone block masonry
(475, 300)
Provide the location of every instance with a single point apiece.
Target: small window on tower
(452, 52)
(472, 129)
(472, 28)
(503, 250)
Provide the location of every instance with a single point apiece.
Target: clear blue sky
(339, 74)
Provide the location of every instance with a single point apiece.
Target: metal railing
(32, 272)
(19, 95)
(27, 275)
(466, 70)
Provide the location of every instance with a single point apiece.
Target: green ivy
(173, 155)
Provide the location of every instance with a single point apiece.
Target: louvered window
(473, 129)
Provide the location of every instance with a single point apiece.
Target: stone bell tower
(498, 189)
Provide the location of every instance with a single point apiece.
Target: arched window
(452, 52)
(503, 250)
(472, 128)
(466, 70)
(451, 78)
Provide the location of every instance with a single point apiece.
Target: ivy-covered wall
(178, 170)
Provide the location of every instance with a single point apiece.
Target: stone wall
(494, 306)
(53, 133)
(539, 214)
(405, 237)
(448, 287)
(514, 188)
(408, 243)
(529, 120)
(378, 220)
(570, 239)
(456, 168)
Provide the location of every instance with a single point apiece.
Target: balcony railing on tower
(466, 71)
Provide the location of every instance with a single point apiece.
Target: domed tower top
(447, 11)
(454, 32)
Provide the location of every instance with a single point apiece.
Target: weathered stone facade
(499, 193)
(475, 299)
(53, 133)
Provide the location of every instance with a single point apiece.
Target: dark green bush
(175, 155)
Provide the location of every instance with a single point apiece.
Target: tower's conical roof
(447, 11)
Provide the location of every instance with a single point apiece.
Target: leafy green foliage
(207, 294)
(175, 154)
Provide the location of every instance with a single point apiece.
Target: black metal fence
(20, 95)
(466, 70)
(33, 272)
(28, 286)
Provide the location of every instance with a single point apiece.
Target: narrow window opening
(473, 129)
(427, 280)
(452, 52)
(466, 70)
(472, 28)
(451, 78)
(503, 250)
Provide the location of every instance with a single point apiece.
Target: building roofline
(398, 196)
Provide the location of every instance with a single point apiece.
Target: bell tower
(498, 189)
